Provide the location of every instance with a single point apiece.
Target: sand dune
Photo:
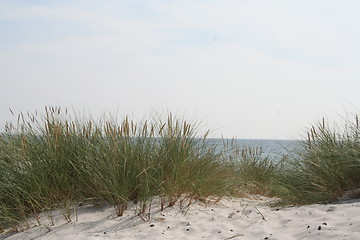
(228, 219)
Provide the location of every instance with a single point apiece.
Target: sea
(274, 148)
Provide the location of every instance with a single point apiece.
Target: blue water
(274, 148)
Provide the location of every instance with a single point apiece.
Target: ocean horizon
(274, 148)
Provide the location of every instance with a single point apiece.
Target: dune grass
(255, 172)
(55, 162)
(326, 166)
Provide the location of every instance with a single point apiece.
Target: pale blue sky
(249, 69)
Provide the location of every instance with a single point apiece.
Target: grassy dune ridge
(55, 161)
(326, 167)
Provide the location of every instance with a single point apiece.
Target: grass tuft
(54, 161)
(326, 167)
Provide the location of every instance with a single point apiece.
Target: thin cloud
(259, 68)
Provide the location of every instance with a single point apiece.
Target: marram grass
(326, 167)
(56, 161)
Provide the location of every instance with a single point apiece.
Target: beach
(189, 120)
(231, 218)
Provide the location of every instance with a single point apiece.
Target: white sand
(229, 219)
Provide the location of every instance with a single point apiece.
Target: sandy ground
(229, 219)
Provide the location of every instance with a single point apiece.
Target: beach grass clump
(56, 161)
(40, 163)
(166, 158)
(326, 167)
(255, 172)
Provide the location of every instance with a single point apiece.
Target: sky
(254, 69)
